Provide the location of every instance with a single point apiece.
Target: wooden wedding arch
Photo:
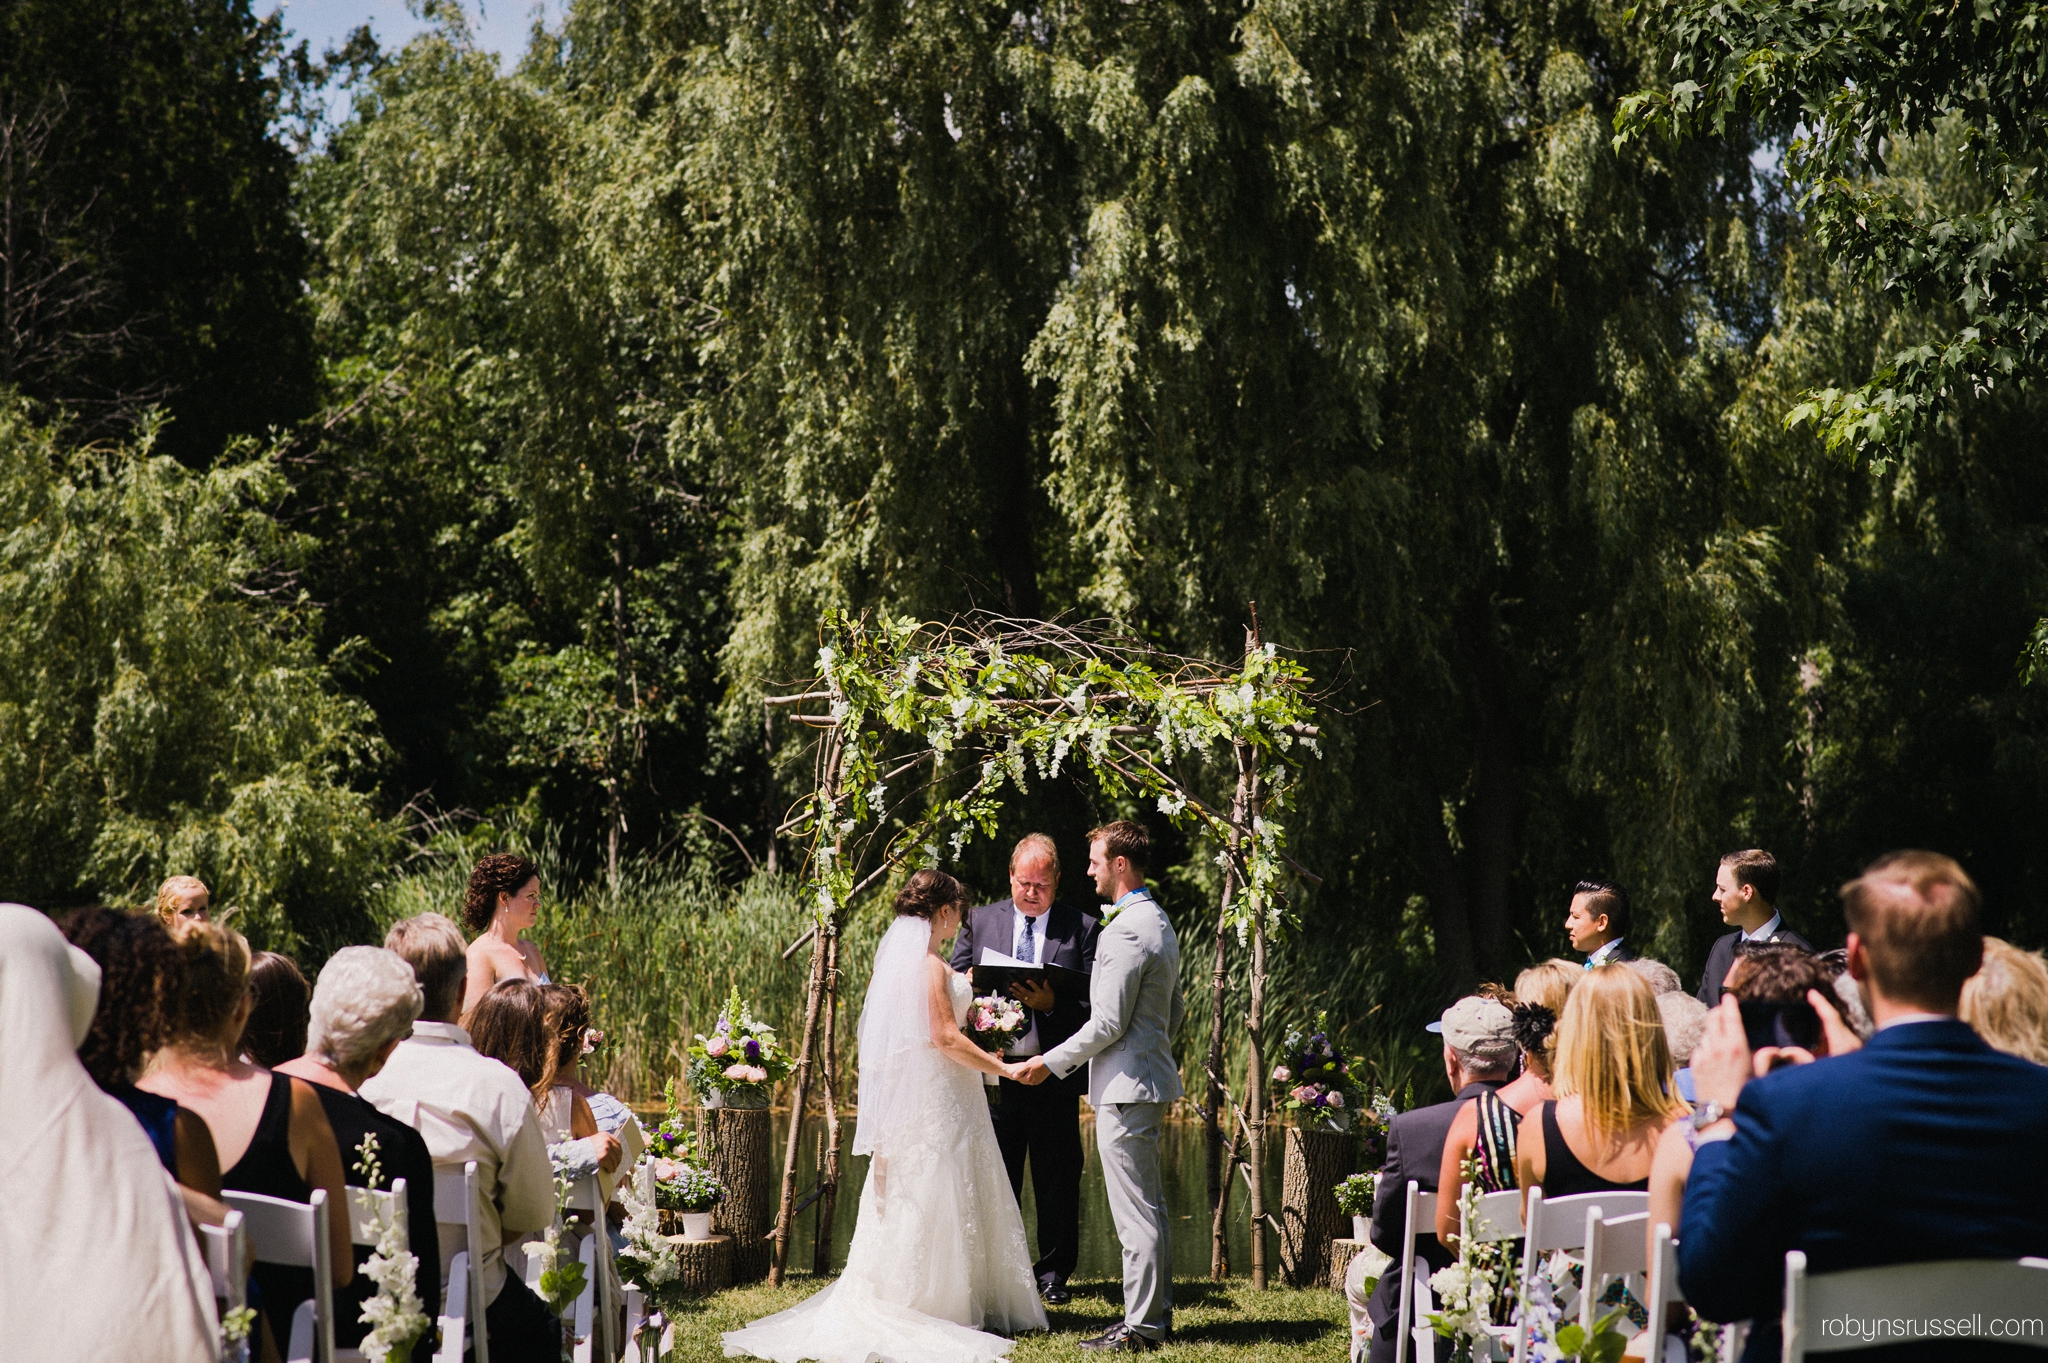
(919, 726)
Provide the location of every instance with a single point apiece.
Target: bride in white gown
(938, 1256)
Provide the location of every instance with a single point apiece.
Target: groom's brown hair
(1123, 838)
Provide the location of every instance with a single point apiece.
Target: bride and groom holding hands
(938, 1271)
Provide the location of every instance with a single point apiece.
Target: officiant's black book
(995, 973)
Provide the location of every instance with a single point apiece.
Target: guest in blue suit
(1925, 1144)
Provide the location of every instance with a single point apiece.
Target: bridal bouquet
(740, 1063)
(994, 1022)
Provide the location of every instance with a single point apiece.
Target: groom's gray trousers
(1127, 1136)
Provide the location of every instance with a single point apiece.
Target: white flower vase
(696, 1225)
(713, 1100)
(1361, 1229)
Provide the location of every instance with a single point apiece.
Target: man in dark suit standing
(1924, 1144)
(1479, 1055)
(1746, 892)
(1598, 920)
(1041, 1122)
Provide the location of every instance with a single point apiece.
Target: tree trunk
(739, 1156)
(1213, 1118)
(828, 1170)
(1309, 1220)
(1255, 1098)
(1490, 829)
(707, 1264)
(785, 1215)
(1456, 970)
(1011, 488)
(1255, 1073)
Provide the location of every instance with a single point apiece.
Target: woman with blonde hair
(184, 899)
(1616, 1094)
(2006, 1001)
(1485, 1129)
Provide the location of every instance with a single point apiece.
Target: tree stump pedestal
(706, 1264)
(1309, 1219)
(739, 1140)
(1342, 1252)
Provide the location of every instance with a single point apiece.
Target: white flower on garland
(395, 1315)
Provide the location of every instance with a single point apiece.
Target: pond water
(1187, 1197)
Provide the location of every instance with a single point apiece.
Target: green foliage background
(620, 367)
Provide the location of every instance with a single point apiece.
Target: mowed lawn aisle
(1211, 1321)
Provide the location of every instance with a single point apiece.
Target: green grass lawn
(1212, 1322)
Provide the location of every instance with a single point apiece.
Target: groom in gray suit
(1134, 1009)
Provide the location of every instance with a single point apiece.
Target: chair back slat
(1618, 1245)
(1560, 1222)
(381, 1203)
(279, 1232)
(451, 1198)
(1987, 1299)
(1495, 1216)
(226, 1247)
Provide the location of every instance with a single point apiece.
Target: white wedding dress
(938, 1256)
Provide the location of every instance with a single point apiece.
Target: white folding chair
(366, 1208)
(295, 1234)
(1495, 1217)
(1987, 1299)
(462, 1293)
(599, 1276)
(593, 1306)
(1616, 1247)
(1560, 1223)
(1421, 1212)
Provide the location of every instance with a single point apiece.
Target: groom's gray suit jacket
(1135, 1008)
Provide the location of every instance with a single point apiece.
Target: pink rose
(1336, 1098)
(1281, 1074)
(664, 1170)
(739, 1071)
(1305, 1094)
(717, 1046)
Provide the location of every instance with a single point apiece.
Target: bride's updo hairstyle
(926, 893)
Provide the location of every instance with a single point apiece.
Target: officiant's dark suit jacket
(1415, 1150)
(1721, 956)
(1069, 941)
(1925, 1144)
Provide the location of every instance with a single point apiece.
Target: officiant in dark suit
(1041, 1123)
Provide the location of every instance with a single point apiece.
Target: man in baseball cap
(1479, 1055)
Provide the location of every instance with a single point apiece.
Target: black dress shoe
(1055, 1294)
(1120, 1339)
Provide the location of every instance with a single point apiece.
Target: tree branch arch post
(1016, 696)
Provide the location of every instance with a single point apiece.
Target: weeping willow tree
(714, 317)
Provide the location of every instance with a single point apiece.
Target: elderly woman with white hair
(364, 1004)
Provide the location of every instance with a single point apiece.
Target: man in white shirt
(470, 1107)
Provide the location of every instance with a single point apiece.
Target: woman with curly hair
(138, 971)
(511, 1025)
(503, 901)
